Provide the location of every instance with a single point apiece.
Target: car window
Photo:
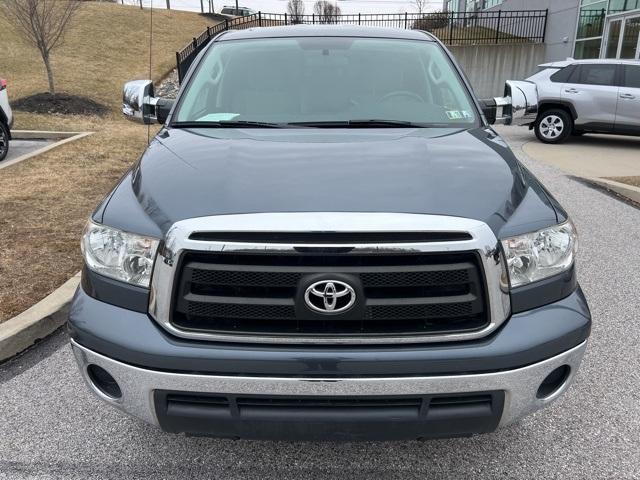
(322, 79)
(562, 75)
(594, 74)
(632, 76)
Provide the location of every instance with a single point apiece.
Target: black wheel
(554, 126)
(4, 141)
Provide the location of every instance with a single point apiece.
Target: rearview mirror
(139, 104)
(519, 106)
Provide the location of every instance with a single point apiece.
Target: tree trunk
(47, 64)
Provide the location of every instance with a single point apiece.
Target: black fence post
(498, 26)
(259, 19)
(178, 67)
(313, 18)
(285, 19)
(451, 27)
(544, 29)
(226, 24)
(359, 20)
(405, 20)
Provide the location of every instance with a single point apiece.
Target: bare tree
(420, 5)
(42, 23)
(295, 8)
(326, 11)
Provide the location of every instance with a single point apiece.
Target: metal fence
(452, 28)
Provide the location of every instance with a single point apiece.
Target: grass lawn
(45, 201)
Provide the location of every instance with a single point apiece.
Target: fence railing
(452, 28)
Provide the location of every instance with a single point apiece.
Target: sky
(280, 6)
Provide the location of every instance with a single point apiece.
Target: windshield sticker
(218, 117)
(454, 114)
(466, 114)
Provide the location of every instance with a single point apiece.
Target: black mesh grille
(404, 294)
(445, 310)
(234, 310)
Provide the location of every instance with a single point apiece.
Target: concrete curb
(42, 135)
(60, 139)
(25, 329)
(629, 191)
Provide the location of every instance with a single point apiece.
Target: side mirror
(140, 105)
(519, 106)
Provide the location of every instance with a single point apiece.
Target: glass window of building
(613, 39)
(630, 38)
(618, 6)
(591, 20)
(588, 48)
(492, 3)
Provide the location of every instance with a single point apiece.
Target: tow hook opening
(553, 382)
(104, 382)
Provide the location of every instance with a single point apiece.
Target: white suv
(6, 120)
(582, 96)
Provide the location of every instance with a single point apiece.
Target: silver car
(587, 96)
(6, 120)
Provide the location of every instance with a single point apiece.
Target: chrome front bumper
(138, 384)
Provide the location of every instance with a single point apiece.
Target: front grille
(236, 403)
(329, 417)
(258, 293)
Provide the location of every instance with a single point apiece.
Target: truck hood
(200, 172)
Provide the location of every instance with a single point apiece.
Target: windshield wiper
(228, 124)
(364, 123)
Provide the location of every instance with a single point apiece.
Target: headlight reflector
(538, 255)
(121, 255)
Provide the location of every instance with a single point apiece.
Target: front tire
(4, 141)
(553, 126)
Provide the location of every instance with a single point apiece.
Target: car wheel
(4, 141)
(554, 126)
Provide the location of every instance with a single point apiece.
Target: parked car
(6, 120)
(239, 12)
(587, 96)
(340, 247)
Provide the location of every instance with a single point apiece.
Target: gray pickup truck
(327, 240)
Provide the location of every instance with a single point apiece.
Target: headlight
(121, 255)
(540, 254)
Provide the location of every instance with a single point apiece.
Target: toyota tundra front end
(338, 248)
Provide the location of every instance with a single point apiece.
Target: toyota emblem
(330, 296)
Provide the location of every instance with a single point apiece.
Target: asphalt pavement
(52, 427)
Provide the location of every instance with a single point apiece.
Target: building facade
(576, 28)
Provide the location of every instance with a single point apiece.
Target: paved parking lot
(18, 148)
(589, 155)
(51, 427)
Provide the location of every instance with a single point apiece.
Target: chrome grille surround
(178, 241)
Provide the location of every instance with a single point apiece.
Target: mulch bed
(60, 103)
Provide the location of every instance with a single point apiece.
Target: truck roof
(327, 31)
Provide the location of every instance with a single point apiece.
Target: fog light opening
(553, 382)
(104, 382)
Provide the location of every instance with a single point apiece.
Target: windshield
(316, 80)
